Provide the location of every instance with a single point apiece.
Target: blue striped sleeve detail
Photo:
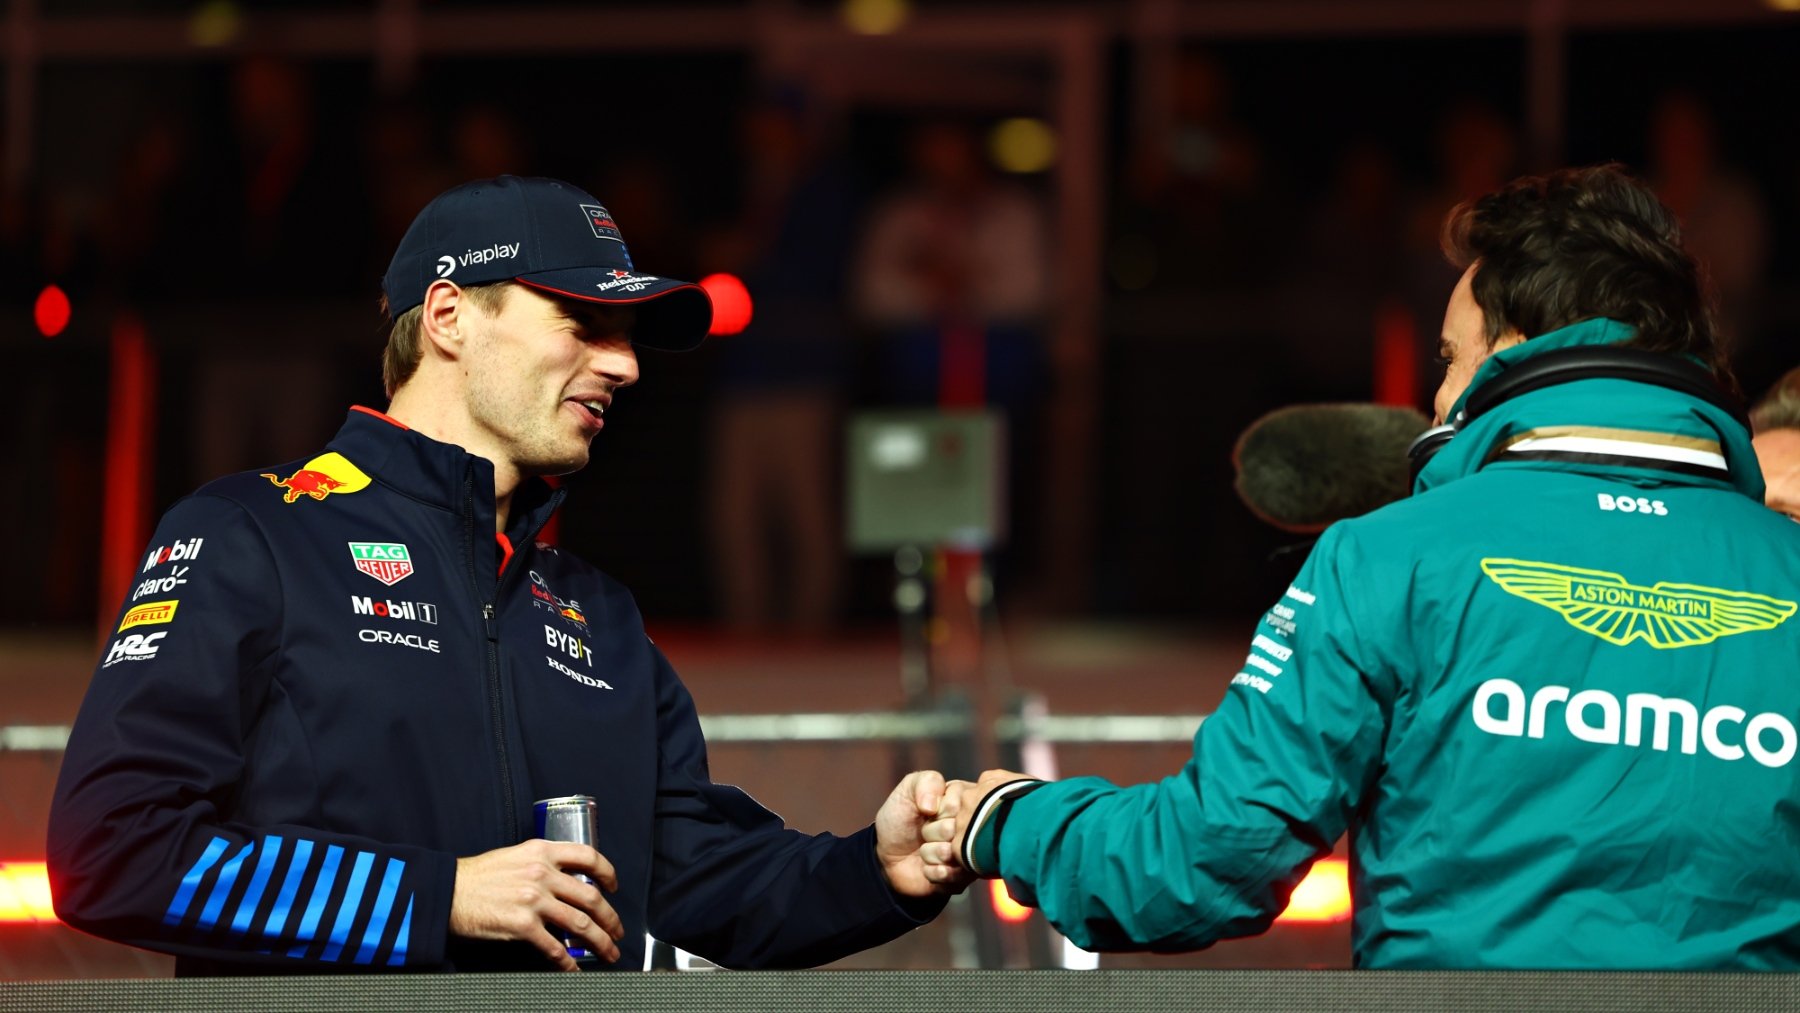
(384, 905)
(184, 894)
(284, 901)
(347, 908)
(265, 865)
(228, 873)
(315, 905)
(398, 957)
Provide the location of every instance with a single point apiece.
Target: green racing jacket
(1552, 697)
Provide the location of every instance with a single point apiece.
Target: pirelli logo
(151, 613)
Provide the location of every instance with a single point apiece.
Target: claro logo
(1594, 715)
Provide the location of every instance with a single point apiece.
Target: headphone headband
(1567, 365)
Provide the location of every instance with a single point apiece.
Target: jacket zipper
(496, 700)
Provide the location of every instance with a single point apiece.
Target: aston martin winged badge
(1664, 615)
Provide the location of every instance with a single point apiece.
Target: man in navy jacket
(314, 742)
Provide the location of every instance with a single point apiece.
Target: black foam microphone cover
(1303, 467)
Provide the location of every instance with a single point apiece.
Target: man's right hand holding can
(513, 893)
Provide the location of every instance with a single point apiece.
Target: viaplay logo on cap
(601, 221)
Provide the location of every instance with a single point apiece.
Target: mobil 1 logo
(387, 608)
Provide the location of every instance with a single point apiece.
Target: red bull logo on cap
(319, 478)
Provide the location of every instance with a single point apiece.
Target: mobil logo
(388, 562)
(416, 611)
(173, 552)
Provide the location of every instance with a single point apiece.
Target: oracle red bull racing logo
(319, 478)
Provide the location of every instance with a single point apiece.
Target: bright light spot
(730, 301)
(1074, 958)
(875, 17)
(51, 311)
(1008, 910)
(25, 893)
(897, 448)
(1323, 896)
(214, 23)
(1784, 5)
(1022, 144)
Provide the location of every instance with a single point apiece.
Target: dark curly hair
(1574, 244)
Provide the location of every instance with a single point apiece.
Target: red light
(731, 303)
(51, 311)
(25, 893)
(1005, 908)
(1323, 896)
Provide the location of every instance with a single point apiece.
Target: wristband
(993, 808)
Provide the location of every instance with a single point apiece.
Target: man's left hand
(899, 834)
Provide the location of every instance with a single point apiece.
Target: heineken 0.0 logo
(388, 562)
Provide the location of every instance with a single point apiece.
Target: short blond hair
(401, 357)
(1780, 407)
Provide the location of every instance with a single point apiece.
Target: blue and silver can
(571, 818)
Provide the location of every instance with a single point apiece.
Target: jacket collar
(1634, 415)
(440, 474)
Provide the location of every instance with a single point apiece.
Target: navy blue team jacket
(331, 680)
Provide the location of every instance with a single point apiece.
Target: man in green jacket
(1552, 696)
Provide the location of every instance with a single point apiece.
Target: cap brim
(671, 315)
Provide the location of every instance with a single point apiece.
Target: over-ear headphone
(1567, 365)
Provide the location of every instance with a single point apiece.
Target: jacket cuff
(917, 910)
(981, 843)
(429, 942)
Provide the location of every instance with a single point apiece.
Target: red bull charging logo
(319, 478)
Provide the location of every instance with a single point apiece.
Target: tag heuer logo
(388, 562)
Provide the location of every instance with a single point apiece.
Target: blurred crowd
(891, 263)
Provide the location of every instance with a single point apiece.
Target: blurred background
(1122, 229)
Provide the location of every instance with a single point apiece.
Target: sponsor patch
(173, 553)
(319, 478)
(151, 613)
(601, 221)
(566, 608)
(585, 680)
(161, 585)
(136, 647)
(412, 640)
(569, 644)
(1664, 615)
(388, 562)
(415, 611)
(625, 281)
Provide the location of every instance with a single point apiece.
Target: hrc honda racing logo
(1594, 715)
(136, 647)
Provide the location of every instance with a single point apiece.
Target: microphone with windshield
(1302, 467)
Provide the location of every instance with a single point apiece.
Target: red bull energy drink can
(572, 818)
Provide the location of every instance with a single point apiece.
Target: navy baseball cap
(551, 236)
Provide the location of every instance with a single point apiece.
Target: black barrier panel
(932, 992)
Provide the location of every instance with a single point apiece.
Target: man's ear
(444, 318)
